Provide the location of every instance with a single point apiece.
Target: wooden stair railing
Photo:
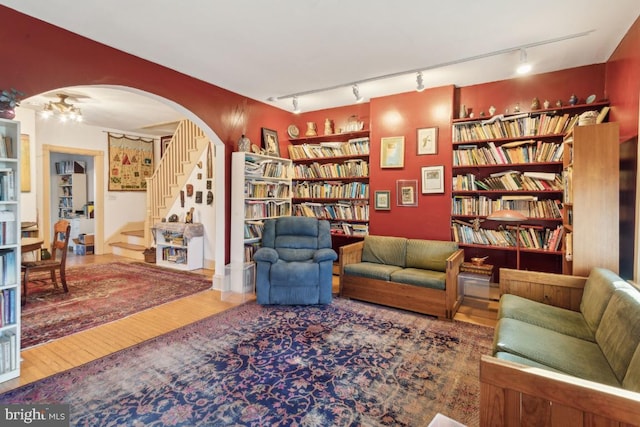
(179, 159)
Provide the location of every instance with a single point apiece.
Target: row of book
(253, 229)
(8, 352)
(331, 189)
(7, 185)
(517, 152)
(263, 189)
(353, 147)
(8, 307)
(8, 270)
(70, 167)
(517, 126)
(348, 169)
(6, 148)
(266, 168)
(567, 184)
(531, 237)
(254, 209)
(175, 255)
(249, 250)
(344, 210)
(529, 206)
(510, 181)
(348, 229)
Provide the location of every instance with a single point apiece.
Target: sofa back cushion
(618, 335)
(387, 250)
(429, 254)
(296, 238)
(598, 290)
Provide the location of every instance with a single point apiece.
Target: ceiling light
(356, 93)
(62, 109)
(296, 107)
(524, 67)
(420, 82)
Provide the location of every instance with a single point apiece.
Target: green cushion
(597, 293)
(429, 254)
(632, 377)
(557, 319)
(385, 250)
(573, 356)
(371, 270)
(619, 333)
(513, 358)
(425, 278)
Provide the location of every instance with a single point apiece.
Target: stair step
(135, 233)
(129, 246)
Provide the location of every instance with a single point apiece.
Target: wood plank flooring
(65, 353)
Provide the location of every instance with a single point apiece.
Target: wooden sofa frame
(435, 302)
(512, 394)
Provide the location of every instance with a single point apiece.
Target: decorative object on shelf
(188, 218)
(293, 131)
(311, 129)
(407, 190)
(382, 201)
(270, 142)
(9, 100)
(209, 197)
(392, 152)
(588, 118)
(559, 103)
(354, 124)
(427, 141)
(535, 104)
(255, 149)
(244, 144)
(573, 100)
(471, 115)
(492, 110)
(328, 127)
(463, 112)
(546, 104)
(508, 215)
(591, 98)
(516, 109)
(173, 218)
(432, 179)
(478, 261)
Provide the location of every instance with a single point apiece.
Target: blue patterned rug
(346, 364)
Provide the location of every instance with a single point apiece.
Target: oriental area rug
(345, 364)
(100, 293)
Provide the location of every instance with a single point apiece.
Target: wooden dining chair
(57, 262)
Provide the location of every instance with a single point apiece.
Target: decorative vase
(244, 144)
(7, 113)
(535, 104)
(463, 111)
(573, 100)
(546, 104)
(492, 110)
(328, 127)
(311, 129)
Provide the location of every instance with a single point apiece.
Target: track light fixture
(420, 82)
(296, 107)
(524, 67)
(356, 93)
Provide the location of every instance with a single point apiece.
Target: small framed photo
(407, 190)
(392, 152)
(270, 142)
(164, 142)
(382, 200)
(427, 141)
(432, 179)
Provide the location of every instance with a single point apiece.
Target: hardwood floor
(65, 353)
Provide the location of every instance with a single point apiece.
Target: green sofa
(600, 342)
(413, 274)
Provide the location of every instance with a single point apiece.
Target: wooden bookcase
(512, 162)
(591, 199)
(9, 250)
(331, 181)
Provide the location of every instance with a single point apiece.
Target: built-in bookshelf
(513, 162)
(9, 250)
(260, 189)
(331, 181)
(72, 194)
(179, 245)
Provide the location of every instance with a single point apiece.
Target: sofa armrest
(559, 290)
(325, 254)
(266, 255)
(350, 254)
(513, 394)
(454, 294)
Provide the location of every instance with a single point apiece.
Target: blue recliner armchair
(295, 262)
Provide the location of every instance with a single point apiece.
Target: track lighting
(296, 107)
(524, 67)
(356, 93)
(420, 82)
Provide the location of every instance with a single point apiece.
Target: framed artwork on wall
(432, 179)
(270, 142)
(382, 201)
(164, 142)
(427, 141)
(392, 152)
(407, 190)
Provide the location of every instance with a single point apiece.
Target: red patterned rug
(100, 293)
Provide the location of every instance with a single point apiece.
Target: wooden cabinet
(179, 245)
(9, 250)
(260, 189)
(512, 162)
(591, 214)
(331, 181)
(72, 194)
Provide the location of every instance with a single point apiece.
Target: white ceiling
(263, 49)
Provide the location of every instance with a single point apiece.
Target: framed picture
(427, 141)
(382, 200)
(407, 190)
(392, 152)
(130, 162)
(432, 179)
(164, 142)
(270, 142)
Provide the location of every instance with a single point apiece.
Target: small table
(31, 244)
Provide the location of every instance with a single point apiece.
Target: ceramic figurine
(328, 127)
(492, 110)
(546, 104)
(244, 144)
(535, 104)
(311, 129)
(188, 218)
(573, 100)
(516, 109)
(558, 103)
(463, 112)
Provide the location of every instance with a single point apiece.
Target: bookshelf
(72, 194)
(331, 181)
(513, 162)
(179, 245)
(9, 250)
(591, 198)
(260, 189)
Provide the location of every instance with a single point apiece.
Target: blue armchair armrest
(266, 255)
(325, 254)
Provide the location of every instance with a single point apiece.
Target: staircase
(133, 245)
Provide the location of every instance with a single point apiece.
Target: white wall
(29, 201)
